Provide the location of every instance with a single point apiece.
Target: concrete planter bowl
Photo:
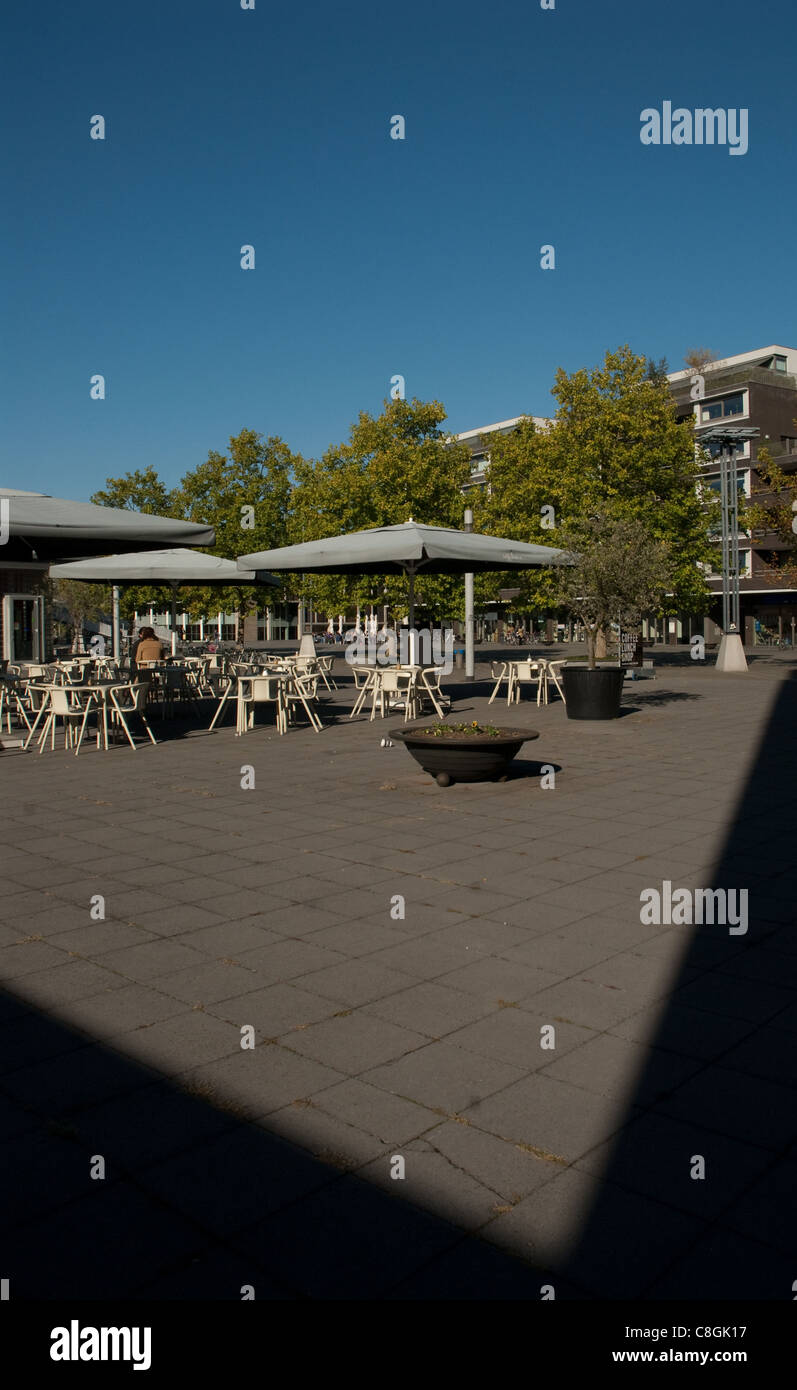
(464, 757)
(592, 694)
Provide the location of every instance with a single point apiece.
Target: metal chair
(428, 687)
(127, 700)
(72, 708)
(299, 689)
(364, 681)
(394, 687)
(498, 676)
(259, 690)
(551, 670)
(522, 672)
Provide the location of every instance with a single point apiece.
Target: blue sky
(373, 256)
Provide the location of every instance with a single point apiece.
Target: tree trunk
(600, 644)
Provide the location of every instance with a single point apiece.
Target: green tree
(619, 572)
(245, 495)
(771, 510)
(140, 491)
(395, 466)
(81, 602)
(615, 441)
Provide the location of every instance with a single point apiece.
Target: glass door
(23, 627)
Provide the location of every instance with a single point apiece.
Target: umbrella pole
(174, 618)
(115, 620)
(411, 616)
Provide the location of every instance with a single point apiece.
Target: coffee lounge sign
(630, 647)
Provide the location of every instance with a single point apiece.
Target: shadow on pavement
(196, 1202)
(653, 1230)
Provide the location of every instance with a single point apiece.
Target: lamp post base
(731, 655)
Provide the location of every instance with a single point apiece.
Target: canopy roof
(410, 547)
(46, 528)
(178, 566)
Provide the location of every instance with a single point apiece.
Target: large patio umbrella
(409, 548)
(174, 567)
(39, 527)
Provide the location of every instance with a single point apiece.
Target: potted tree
(618, 571)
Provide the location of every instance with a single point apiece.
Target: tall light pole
(731, 655)
(469, 619)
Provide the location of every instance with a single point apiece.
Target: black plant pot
(466, 758)
(593, 694)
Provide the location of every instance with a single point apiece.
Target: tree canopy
(615, 441)
(395, 466)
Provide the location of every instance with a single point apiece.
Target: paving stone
(608, 1065)
(253, 1083)
(229, 939)
(727, 1265)
(355, 982)
(286, 960)
(385, 1241)
(154, 958)
(176, 919)
(390, 1118)
(496, 981)
(654, 1156)
(235, 1179)
(745, 1107)
(429, 1008)
(686, 1030)
(207, 983)
(547, 1228)
(28, 957)
(120, 1010)
(84, 1240)
(506, 1169)
(443, 1076)
(341, 1146)
(274, 1010)
(433, 1182)
(73, 979)
(516, 1035)
(550, 1117)
(354, 1043)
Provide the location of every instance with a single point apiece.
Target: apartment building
(756, 390)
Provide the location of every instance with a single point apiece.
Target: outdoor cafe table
(375, 673)
(545, 670)
(101, 690)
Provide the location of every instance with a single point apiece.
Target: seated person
(147, 648)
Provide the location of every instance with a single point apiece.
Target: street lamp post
(470, 668)
(731, 655)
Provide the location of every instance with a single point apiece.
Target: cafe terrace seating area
(94, 701)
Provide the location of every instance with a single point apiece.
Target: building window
(729, 405)
(714, 447)
(779, 363)
(741, 483)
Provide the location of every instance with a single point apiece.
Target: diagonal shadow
(651, 1229)
(197, 1201)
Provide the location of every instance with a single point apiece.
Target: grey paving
(417, 1036)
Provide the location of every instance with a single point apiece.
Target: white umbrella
(175, 567)
(44, 528)
(410, 548)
